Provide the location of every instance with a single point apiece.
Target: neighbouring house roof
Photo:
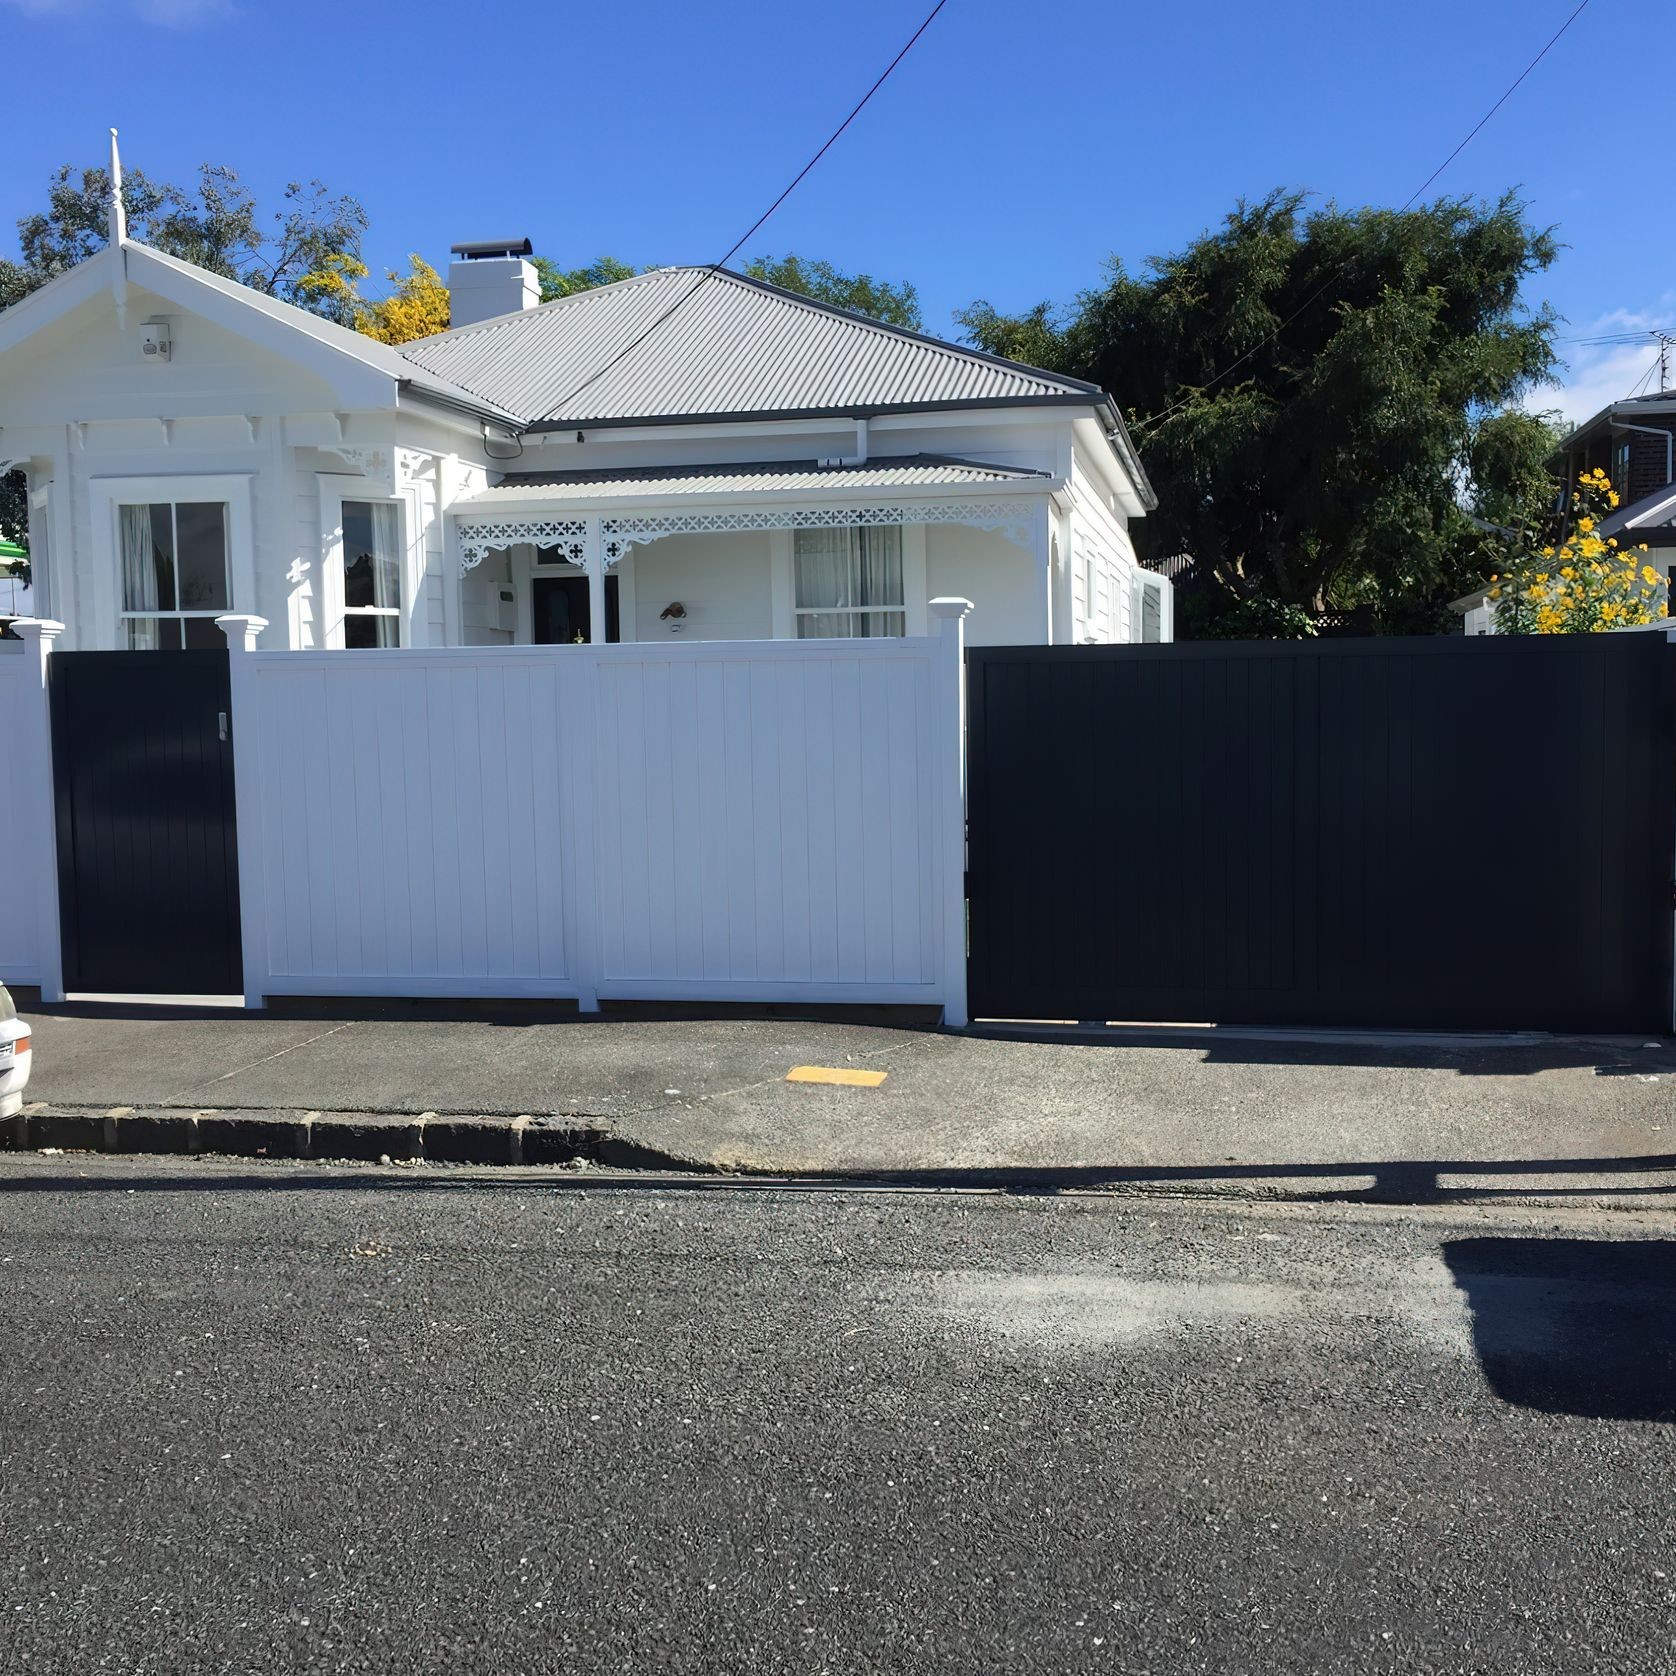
(912, 471)
(1636, 409)
(724, 346)
(1644, 516)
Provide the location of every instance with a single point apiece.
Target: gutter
(455, 404)
(1121, 440)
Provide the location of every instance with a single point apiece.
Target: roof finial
(118, 216)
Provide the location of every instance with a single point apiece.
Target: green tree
(1321, 399)
(878, 299)
(897, 304)
(14, 513)
(217, 227)
(559, 282)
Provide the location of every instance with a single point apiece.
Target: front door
(147, 844)
(559, 610)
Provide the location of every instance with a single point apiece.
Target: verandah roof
(775, 477)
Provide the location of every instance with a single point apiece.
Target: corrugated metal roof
(767, 477)
(735, 346)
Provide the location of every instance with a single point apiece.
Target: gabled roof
(381, 357)
(734, 348)
(769, 477)
(237, 307)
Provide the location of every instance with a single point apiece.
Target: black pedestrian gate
(147, 842)
(1448, 833)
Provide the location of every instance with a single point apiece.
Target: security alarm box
(154, 340)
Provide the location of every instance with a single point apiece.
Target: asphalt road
(272, 1418)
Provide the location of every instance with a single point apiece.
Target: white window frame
(914, 595)
(334, 491)
(109, 494)
(1140, 582)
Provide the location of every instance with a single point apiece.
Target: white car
(14, 1056)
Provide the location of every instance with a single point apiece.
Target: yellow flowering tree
(1585, 583)
(415, 309)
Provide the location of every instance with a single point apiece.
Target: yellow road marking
(835, 1074)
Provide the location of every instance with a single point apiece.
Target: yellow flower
(1567, 572)
(1649, 575)
(1584, 525)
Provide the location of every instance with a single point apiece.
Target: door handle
(221, 719)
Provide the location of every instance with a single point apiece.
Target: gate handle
(222, 718)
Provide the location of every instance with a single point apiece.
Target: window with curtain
(372, 573)
(848, 583)
(175, 579)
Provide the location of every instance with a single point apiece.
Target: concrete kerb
(357, 1137)
(527, 1140)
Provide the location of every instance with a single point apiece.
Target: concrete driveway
(1264, 1110)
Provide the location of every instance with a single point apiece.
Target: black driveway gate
(147, 845)
(1445, 833)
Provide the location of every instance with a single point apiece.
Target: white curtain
(139, 576)
(387, 554)
(878, 566)
(823, 574)
(840, 572)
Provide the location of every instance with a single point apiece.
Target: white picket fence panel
(753, 821)
(29, 934)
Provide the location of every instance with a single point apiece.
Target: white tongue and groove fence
(755, 821)
(28, 857)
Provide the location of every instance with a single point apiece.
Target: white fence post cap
(36, 628)
(241, 631)
(950, 606)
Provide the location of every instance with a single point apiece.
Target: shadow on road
(1573, 1326)
(1433, 1181)
(1467, 1055)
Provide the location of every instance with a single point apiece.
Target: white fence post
(950, 702)
(35, 770)
(242, 633)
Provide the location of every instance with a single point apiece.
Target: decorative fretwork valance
(620, 532)
(479, 539)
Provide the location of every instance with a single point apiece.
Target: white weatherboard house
(684, 454)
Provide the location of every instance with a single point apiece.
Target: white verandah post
(593, 559)
(950, 688)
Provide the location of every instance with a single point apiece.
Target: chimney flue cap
(486, 249)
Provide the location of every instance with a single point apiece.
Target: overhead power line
(1333, 273)
(756, 226)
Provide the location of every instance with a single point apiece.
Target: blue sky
(1013, 151)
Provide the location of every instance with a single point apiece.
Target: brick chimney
(489, 279)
